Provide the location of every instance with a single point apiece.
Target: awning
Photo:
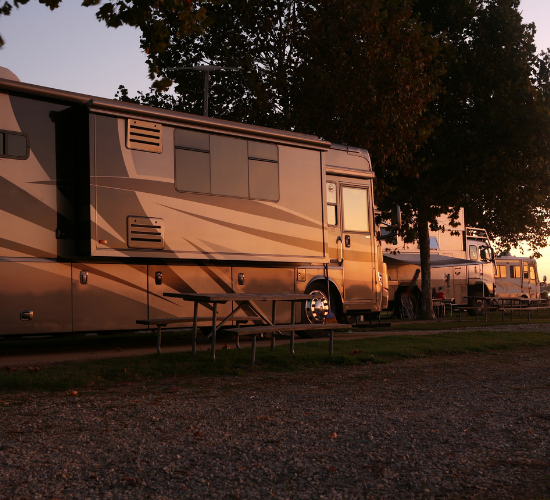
(436, 260)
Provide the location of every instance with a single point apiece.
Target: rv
(107, 205)
(517, 277)
(462, 266)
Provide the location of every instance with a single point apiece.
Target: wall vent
(145, 232)
(145, 136)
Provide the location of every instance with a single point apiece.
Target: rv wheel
(316, 310)
(476, 305)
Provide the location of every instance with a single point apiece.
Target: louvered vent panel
(145, 232)
(145, 136)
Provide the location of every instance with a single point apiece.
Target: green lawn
(181, 367)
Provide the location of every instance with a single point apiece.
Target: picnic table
(245, 301)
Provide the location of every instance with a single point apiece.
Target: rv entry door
(353, 245)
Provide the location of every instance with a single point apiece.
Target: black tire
(477, 305)
(311, 312)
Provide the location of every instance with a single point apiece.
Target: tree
(355, 72)
(490, 150)
(143, 14)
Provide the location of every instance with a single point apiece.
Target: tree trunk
(426, 304)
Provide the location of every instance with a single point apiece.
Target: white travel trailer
(517, 277)
(106, 205)
(462, 265)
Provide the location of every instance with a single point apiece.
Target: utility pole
(207, 68)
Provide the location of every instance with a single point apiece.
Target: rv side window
(500, 272)
(473, 252)
(332, 199)
(532, 274)
(14, 145)
(216, 164)
(525, 270)
(515, 272)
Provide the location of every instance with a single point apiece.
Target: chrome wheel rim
(317, 307)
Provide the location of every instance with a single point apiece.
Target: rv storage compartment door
(186, 278)
(38, 286)
(112, 297)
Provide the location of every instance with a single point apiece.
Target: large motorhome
(106, 205)
(462, 265)
(517, 277)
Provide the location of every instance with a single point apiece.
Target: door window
(356, 210)
(473, 252)
(332, 205)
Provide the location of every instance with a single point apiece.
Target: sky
(70, 50)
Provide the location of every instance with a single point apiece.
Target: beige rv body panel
(96, 226)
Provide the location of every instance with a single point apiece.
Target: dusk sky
(69, 49)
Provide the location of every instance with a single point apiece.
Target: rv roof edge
(124, 109)
(130, 110)
(7, 74)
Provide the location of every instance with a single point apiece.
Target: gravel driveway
(470, 426)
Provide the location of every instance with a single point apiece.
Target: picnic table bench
(161, 323)
(246, 301)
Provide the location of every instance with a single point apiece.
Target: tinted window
(532, 275)
(515, 272)
(192, 140)
(216, 164)
(473, 252)
(264, 180)
(332, 215)
(263, 151)
(229, 166)
(192, 171)
(356, 211)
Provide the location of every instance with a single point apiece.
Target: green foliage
(490, 151)
(354, 72)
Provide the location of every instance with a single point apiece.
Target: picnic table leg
(331, 344)
(194, 341)
(159, 328)
(213, 354)
(292, 320)
(253, 358)
(273, 321)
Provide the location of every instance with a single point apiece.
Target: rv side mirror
(482, 253)
(544, 279)
(396, 216)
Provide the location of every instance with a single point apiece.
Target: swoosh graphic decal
(315, 246)
(168, 190)
(18, 247)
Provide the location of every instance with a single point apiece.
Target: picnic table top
(226, 297)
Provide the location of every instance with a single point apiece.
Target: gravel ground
(469, 426)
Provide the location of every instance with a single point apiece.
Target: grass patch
(181, 367)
